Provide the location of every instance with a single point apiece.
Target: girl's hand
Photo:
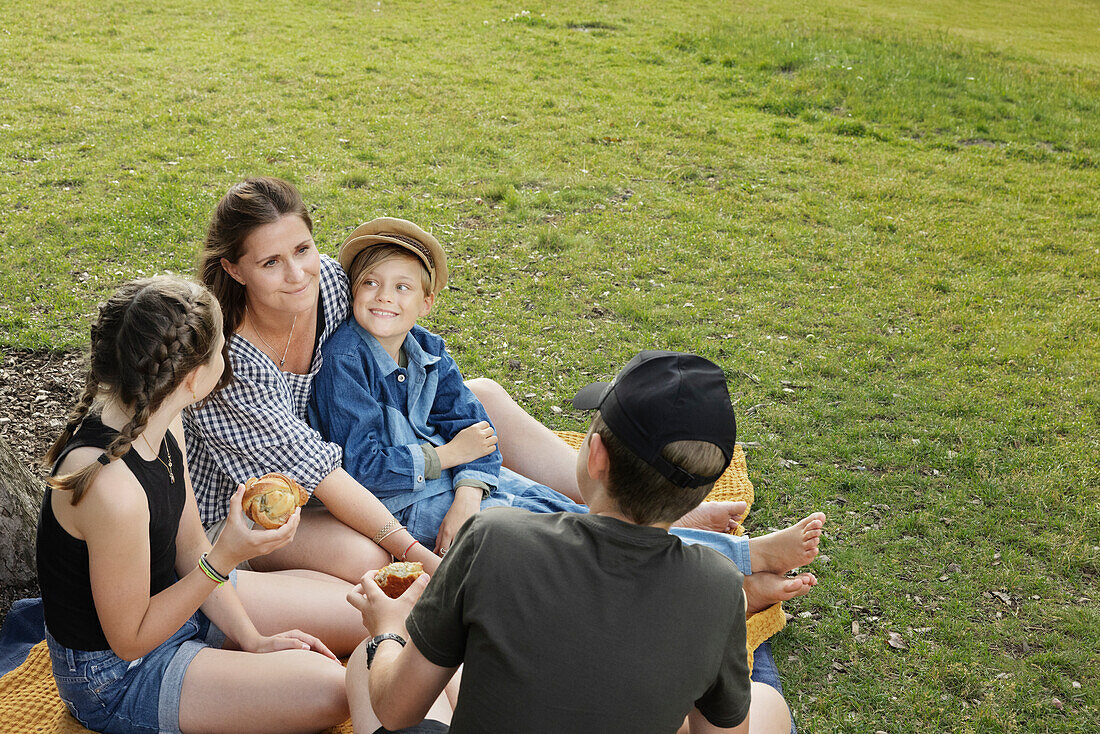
(289, 640)
(238, 542)
(466, 503)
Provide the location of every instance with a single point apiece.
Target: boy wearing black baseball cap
(584, 623)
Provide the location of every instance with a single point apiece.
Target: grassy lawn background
(880, 219)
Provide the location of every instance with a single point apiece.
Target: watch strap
(374, 642)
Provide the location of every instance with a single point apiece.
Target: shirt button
(420, 478)
(400, 378)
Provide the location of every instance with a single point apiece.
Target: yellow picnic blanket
(28, 697)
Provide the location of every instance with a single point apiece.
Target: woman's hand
(289, 640)
(381, 613)
(466, 503)
(238, 542)
(472, 442)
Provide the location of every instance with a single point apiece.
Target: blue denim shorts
(108, 694)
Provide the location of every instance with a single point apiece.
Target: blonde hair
(148, 337)
(371, 257)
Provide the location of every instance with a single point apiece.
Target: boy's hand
(381, 613)
(472, 442)
(467, 501)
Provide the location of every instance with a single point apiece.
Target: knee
(487, 390)
(333, 699)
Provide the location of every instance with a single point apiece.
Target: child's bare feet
(721, 517)
(787, 549)
(764, 589)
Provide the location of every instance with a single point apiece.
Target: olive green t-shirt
(580, 623)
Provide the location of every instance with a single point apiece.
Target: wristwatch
(374, 642)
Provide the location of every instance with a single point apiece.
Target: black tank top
(63, 572)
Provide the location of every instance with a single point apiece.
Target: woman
(281, 300)
(135, 599)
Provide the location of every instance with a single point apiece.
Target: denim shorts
(108, 694)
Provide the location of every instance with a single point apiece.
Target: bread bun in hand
(398, 576)
(270, 500)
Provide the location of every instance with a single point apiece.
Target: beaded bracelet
(211, 572)
(386, 530)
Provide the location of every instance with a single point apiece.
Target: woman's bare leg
(528, 447)
(277, 602)
(533, 450)
(325, 544)
(288, 691)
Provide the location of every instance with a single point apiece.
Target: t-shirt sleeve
(436, 623)
(726, 702)
(251, 428)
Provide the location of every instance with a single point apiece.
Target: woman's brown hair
(149, 336)
(252, 203)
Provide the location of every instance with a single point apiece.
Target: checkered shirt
(258, 423)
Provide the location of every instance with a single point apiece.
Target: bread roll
(398, 576)
(270, 500)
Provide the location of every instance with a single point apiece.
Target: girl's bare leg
(287, 691)
(277, 602)
(325, 544)
(768, 712)
(358, 690)
(528, 447)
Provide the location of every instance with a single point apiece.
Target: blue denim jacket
(381, 413)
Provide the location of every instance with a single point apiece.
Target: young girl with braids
(136, 601)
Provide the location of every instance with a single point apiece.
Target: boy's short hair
(402, 234)
(643, 494)
(370, 258)
(670, 430)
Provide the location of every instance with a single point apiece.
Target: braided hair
(149, 336)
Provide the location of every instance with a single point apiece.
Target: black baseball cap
(661, 397)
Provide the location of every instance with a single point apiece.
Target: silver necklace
(271, 348)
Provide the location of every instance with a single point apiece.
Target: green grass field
(880, 217)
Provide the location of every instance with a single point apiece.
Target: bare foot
(787, 549)
(764, 589)
(721, 517)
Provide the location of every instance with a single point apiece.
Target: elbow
(395, 717)
(129, 653)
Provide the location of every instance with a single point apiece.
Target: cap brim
(591, 396)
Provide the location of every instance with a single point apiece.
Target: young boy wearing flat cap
(392, 396)
(597, 623)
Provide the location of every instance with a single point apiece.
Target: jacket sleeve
(455, 408)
